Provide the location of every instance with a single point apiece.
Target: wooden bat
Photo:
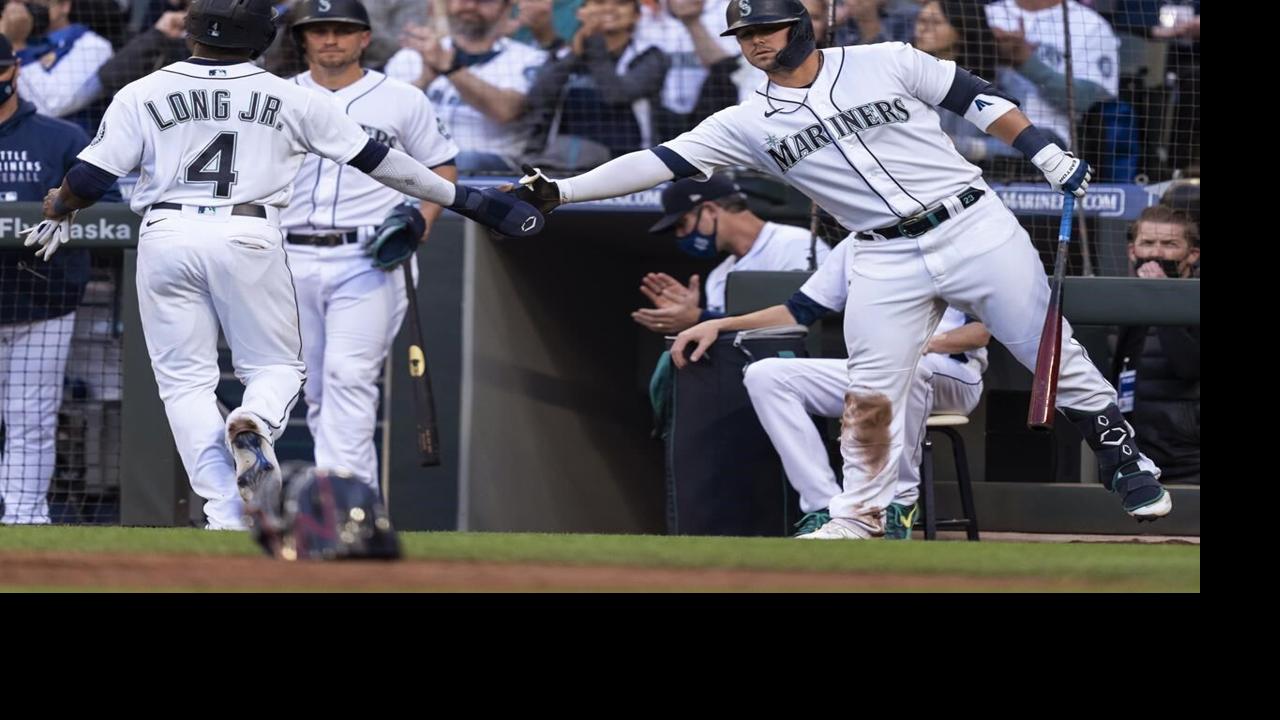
(424, 400)
(1044, 387)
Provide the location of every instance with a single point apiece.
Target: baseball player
(350, 302)
(219, 142)
(785, 392)
(856, 129)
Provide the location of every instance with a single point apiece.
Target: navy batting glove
(501, 211)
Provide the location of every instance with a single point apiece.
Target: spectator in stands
(160, 45)
(688, 32)
(1029, 39)
(1157, 369)
(476, 79)
(594, 101)
(710, 218)
(60, 59)
(37, 300)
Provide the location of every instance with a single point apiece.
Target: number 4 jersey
(213, 132)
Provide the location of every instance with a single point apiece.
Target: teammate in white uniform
(350, 310)
(219, 142)
(786, 391)
(855, 129)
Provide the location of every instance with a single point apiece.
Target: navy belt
(327, 240)
(917, 225)
(244, 210)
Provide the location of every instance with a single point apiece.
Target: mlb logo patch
(217, 72)
(207, 210)
(215, 29)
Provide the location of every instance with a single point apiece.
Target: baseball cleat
(257, 470)
(812, 521)
(898, 521)
(837, 529)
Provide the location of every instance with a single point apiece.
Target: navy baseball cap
(7, 57)
(684, 195)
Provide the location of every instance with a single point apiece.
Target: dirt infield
(84, 571)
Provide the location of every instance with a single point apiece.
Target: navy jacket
(36, 151)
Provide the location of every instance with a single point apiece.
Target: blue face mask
(697, 244)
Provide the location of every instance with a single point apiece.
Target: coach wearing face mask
(710, 218)
(1157, 369)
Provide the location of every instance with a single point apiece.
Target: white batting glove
(1064, 171)
(49, 235)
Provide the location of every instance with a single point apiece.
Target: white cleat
(837, 529)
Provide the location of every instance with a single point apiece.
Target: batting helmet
(325, 515)
(233, 24)
(801, 42)
(351, 12)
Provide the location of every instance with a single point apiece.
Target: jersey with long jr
(214, 133)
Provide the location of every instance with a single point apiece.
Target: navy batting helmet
(351, 12)
(233, 24)
(324, 515)
(800, 43)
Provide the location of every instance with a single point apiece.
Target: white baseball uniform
(785, 392)
(865, 143)
(219, 139)
(350, 311)
(777, 247)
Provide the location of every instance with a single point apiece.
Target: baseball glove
(397, 237)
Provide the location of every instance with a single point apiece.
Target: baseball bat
(424, 400)
(1044, 387)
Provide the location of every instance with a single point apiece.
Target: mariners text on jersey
(199, 104)
(790, 150)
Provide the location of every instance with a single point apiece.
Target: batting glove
(538, 190)
(49, 235)
(1064, 171)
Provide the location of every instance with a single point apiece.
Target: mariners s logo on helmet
(744, 7)
(325, 6)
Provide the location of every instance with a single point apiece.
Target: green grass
(1109, 566)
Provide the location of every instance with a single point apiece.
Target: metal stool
(946, 424)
